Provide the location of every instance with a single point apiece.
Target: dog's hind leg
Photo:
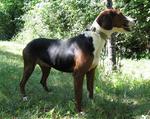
(45, 73)
(28, 69)
(29, 65)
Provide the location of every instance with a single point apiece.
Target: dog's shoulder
(83, 42)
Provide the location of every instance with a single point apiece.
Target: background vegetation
(24, 20)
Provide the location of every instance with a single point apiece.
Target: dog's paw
(25, 98)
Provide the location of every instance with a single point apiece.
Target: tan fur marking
(82, 61)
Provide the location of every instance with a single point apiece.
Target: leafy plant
(10, 22)
(58, 19)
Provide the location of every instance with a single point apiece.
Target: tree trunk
(111, 50)
(111, 46)
(109, 4)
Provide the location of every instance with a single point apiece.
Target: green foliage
(10, 23)
(58, 19)
(135, 45)
(117, 96)
(27, 19)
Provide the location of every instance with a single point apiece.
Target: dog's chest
(98, 44)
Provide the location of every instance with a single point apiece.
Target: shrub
(10, 23)
(58, 19)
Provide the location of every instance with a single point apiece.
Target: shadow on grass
(111, 102)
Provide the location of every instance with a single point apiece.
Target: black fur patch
(58, 53)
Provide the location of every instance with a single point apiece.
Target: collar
(102, 34)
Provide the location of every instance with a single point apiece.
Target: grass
(121, 95)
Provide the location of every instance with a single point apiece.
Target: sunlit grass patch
(137, 68)
(12, 47)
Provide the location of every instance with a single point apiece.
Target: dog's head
(112, 20)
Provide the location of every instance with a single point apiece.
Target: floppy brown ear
(105, 21)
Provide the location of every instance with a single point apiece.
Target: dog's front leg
(78, 85)
(90, 82)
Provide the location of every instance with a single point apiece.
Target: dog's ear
(105, 21)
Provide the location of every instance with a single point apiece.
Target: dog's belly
(64, 63)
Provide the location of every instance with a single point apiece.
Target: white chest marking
(98, 44)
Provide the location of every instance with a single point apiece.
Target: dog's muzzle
(130, 22)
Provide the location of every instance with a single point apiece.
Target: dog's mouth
(127, 28)
(129, 23)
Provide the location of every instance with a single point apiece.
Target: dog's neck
(105, 34)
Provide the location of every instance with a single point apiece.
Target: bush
(58, 19)
(10, 22)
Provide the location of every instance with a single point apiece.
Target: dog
(78, 55)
